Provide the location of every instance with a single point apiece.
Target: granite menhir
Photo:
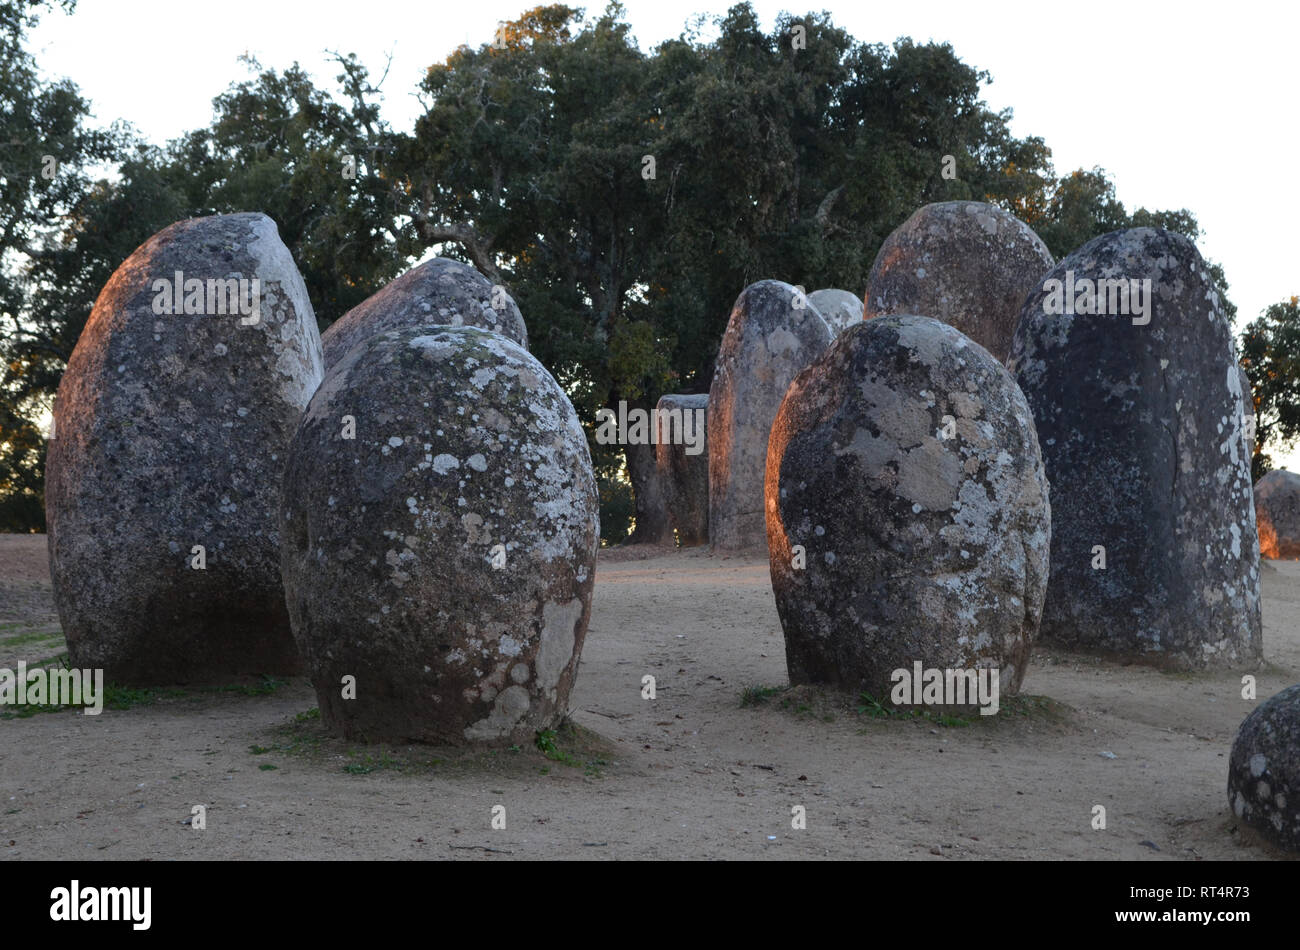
(966, 263)
(163, 476)
(907, 511)
(773, 333)
(440, 291)
(440, 519)
(1127, 360)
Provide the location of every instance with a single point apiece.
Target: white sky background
(1185, 104)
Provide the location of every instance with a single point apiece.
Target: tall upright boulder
(441, 291)
(683, 465)
(440, 522)
(907, 511)
(839, 308)
(966, 263)
(170, 430)
(1127, 360)
(772, 335)
(1277, 514)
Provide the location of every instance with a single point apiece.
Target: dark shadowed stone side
(769, 339)
(839, 308)
(440, 291)
(445, 556)
(1141, 430)
(966, 263)
(1264, 770)
(1277, 515)
(905, 464)
(685, 476)
(170, 432)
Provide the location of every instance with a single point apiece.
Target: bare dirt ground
(692, 773)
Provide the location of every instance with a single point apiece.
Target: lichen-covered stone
(169, 433)
(1140, 420)
(904, 466)
(684, 471)
(1264, 770)
(771, 336)
(839, 308)
(441, 291)
(444, 555)
(966, 263)
(1277, 515)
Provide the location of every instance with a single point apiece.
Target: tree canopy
(624, 197)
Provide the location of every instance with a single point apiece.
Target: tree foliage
(1270, 355)
(624, 197)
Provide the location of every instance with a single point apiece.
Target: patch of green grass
(309, 716)
(758, 695)
(267, 767)
(128, 697)
(875, 709)
(259, 749)
(267, 686)
(34, 636)
(368, 763)
(569, 745)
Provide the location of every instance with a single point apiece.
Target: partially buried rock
(1127, 360)
(683, 464)
(773, 334)
(907, 511)
(1277, 515)
(170, 429)
(966, 263)
(440, 519)
(440, 291)
(839, 308)
(1264, 770)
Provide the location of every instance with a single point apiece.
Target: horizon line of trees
(624, 198)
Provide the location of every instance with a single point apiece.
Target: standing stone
(444, 555)
(1277, 515)
(966, 263)
(839, 308)
(683, 465)
(440, 291)
(1264, 770)
(1248, 407)
(907, 510)
(171, 425)
(771, 336)
(1140, 418)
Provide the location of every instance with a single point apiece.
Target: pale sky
(1185, 104)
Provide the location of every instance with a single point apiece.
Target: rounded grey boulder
(441, 291)
(163, 474)
(440, 519)
(966, 263)
(683, 465)
(1277, 515)
(1264, 770)
(839, 308)
(1127, 360)
(773, 334)
(907, 511)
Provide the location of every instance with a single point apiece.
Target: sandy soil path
(690, 774)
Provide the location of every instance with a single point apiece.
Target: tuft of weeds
(572, 746)
(875, 709)
(758, 695)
